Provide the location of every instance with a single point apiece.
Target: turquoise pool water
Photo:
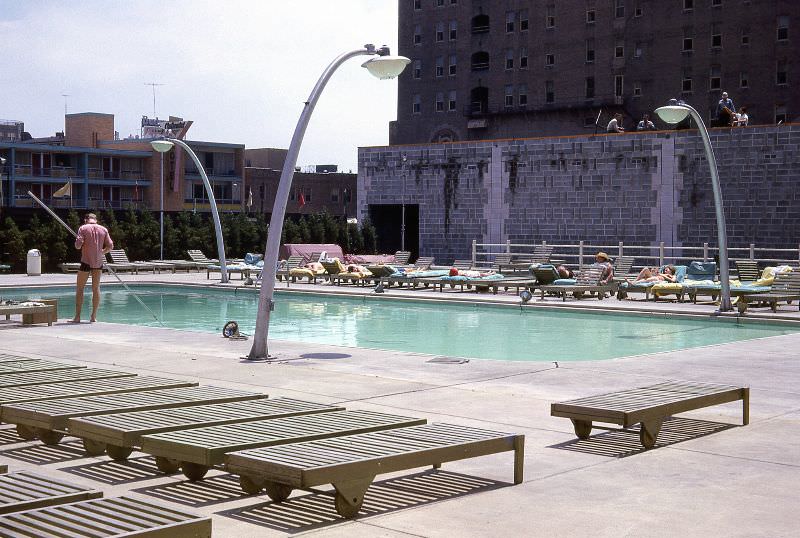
(486, 332)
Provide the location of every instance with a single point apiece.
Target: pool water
(458, 330)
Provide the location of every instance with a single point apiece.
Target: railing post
(752, 251)
(619, 255)
(705, 252)
(508, 246)
(661, 254)
(474, 251)
(580, 255)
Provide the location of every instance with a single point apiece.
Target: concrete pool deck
(707, 476)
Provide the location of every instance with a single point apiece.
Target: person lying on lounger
(651, 274)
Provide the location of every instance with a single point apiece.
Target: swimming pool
(459, 330)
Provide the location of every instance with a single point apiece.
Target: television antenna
(153, 85)
(65, 95)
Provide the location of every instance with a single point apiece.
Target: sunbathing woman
(651, 274)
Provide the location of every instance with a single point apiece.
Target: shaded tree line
(138, 233)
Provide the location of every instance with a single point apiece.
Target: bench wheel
(193, 471)
(118, 453)
(250, 485)
(94, 448)
(49, 437)
(167, 465)
(278, 492)
(582, 428)
(345, 509)
(26, 432)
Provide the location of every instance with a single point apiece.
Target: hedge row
(138, 233)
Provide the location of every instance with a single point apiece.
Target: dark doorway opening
(388, 219)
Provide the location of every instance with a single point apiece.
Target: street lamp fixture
(164, 145)
(382, 65)
(675, 112)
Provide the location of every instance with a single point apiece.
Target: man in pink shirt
(94, 242)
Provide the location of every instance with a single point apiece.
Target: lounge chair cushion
(545, 273)
(564, 282)
(421, 274)
(381, 270)
(665, 288)
(252, 259)
(698, 270)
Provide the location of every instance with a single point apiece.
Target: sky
(239, 69)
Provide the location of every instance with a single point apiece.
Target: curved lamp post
(676, 112)
(381, 65)
(164, 145)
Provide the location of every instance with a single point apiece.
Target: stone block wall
(640, 188)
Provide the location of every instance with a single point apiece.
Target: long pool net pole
(110, 270)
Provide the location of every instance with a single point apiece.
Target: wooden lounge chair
(119, 433)
(332, 268)
(401, 257)
(785, 288)
(622, 267)
(351, 463)
(22, 379)
(199, 258)
(120, 258)
(649, 406)
(106, 518)
(294, 262)
(32, 312)
(587, 281)
(202, 448)
(26, 490)
(184, 265)
(540, 255)
(35, 365)
(47, 420)
(747, 270)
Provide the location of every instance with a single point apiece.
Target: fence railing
(582, 253)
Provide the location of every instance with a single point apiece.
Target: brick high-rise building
(485, 69)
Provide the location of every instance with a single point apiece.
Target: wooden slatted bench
(21, 379)
(31, 314)
(106, 518)
(11, 357)
(649, 406)
(47, 419)
(34, 365)
(199, 449)
(25, 490)
(350, 463)
(118, 434)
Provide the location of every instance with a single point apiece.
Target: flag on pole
(250, 199)
(301, 199)
(65, 191)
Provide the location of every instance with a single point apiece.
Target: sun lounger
(351, 463)
(200, 449)
(631, 287)
(184, 265)
(119, 433)
(587, 281)
(47, 420)
(785, 288)
(58, 376)
(541, 254)
(12, 357)
(120, 257)
(747, 270)
(401, 257)
(649, 406)
(199, 258)
(242, 269)
(106, 518)
(622, 268)
(294, 262)
(25, 490)
(32, 312)
(35, 365)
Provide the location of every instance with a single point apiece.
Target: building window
(591, 16)
(480, 24)
(686, 84)
(480, 61)
(781, 74)
(549, 92)
(688, 5)
(416, 106)
(549, 60)
(439, 32)
(439, 102)
(511, 17)
(451, 67)
(637, 89)
(453, 30)
(523, 58)
(619, 51)
(619, 9)
(589, 51)
(745, 38)
(508, 100)
(550, 17)
(417, 5)
(417, 71)
(619, 81)
(688, 44)
(715, 78)
(716, 3)
(716, 36)
(637, 49)
(335, 195)
(638, 11)
(523, 95)
(780, 114)
(439, 66)
(523, 20)
(783, 28)
(439, 3)
(743, 81)
(417, 34)
(590, 87)
(451, 101)
(509, 59)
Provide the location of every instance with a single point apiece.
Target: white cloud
(240, 69)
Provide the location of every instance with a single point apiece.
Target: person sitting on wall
(646, 124)
(742, 119)
(602, 260)
(615, 125)
(725, 111)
